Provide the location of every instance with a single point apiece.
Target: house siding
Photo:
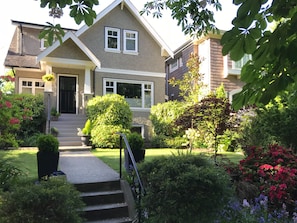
(149, 57)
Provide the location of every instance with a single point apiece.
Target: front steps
(67, 125)
(105, 202)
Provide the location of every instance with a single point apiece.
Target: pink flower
(8, 104)
(14, 121)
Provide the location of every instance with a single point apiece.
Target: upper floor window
(130, 41)
(137, 94)
(112, 39)
(173, 66)
(240, 63)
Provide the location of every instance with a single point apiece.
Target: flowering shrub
(274, 171)
(11, 117)
(255, 212)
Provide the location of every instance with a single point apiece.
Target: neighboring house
(215, 67)
(120, 53)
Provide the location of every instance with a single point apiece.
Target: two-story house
(120, 53)
(215, 67)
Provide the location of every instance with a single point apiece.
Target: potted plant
(54, 131)
(85, 133)
(136, 144)
(47, 155)
(54, 114)
(48, 79)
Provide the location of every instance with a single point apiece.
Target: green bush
(87, 128)
(8, 173)
(105, 136)
(135, 141)
(108, 114)
(159, 141)
(110, 109)
(184, 188)
(163, 117)
(36, 123)
(47, 143)
(53, 201)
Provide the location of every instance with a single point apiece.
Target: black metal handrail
(131, 169)
(134, 166)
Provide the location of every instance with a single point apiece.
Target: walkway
(84, 167)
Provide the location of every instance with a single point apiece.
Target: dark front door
(67, 92)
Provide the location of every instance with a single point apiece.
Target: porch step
(105, 202)
(67, 126)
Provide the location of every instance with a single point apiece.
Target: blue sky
(29, 11)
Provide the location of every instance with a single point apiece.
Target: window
(31, 86)
(136, 93)
(112, 39)
(130, 41)
(240, 63)
(173, 66)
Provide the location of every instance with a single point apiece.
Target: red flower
(14, 121)
(8, 104)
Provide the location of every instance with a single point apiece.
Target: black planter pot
(138, 155)
(47, 163)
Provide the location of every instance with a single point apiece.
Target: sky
(30, 11)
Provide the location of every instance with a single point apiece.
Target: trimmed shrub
(54, 201)
(135, 141)
(163, 117)
(47, 143)
(108, 114)
(184, 188)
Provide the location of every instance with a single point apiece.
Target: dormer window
(112, 39)
(130, 41)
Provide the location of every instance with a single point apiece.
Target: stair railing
(137, 188)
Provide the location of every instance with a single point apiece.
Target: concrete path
(84, 167)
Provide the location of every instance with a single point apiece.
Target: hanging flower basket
(48, 77)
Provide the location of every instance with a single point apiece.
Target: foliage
(105, 136)
(274, 171)
(135, 141)
(36, 123)
(191, 85)
(7, 82)
(275, 123)
(183, 188)
(12, 114)
(255, 211)
(54, 112)
(163, 116)
(50, 201)
(108, 114)
(48, 77)
(202, 18)
(271, 69)
(210, 117)
(87, 128)
(9, 172)
(110, 109)
(47, 143)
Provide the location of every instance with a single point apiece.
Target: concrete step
(114, 220)
(105, 202)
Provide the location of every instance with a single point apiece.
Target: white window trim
(142, 83)
(33, 84)
(133, 52)
(118, 49)
(42, 44)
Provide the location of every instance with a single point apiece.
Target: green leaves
(52, 33)
(82, 11)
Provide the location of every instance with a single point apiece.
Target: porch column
(87, 89)
(87, 85)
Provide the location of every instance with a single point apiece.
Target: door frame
(76, 90)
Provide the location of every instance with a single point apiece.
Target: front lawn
(26, 160)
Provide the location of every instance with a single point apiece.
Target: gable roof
(138, 17)
(75, 39)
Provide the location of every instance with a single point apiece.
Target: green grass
(111, 156)
(26, 159)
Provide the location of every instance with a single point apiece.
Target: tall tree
(191, 85)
